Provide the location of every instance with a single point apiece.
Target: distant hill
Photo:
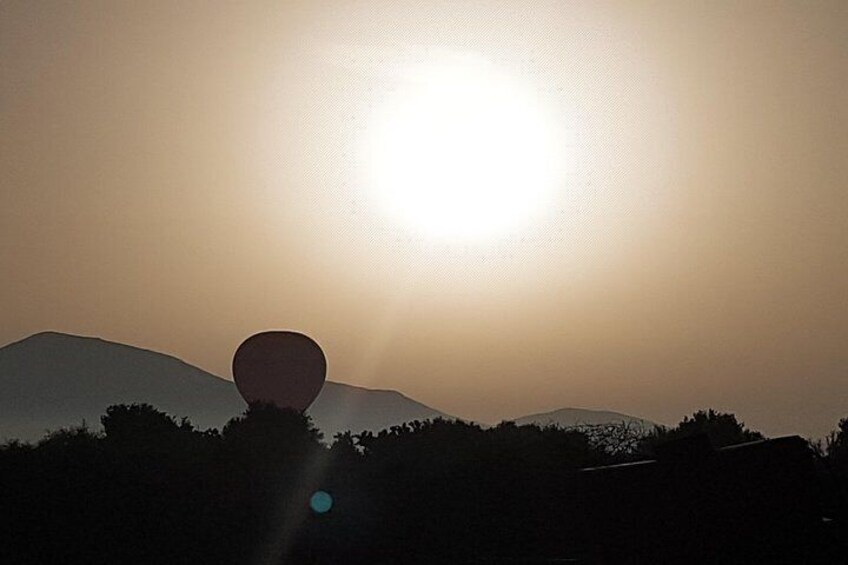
(570, 417)
(52, 380)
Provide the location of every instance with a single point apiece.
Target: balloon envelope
(281, 367)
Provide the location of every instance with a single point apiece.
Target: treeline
(153, 489)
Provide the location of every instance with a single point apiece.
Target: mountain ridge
(52, 379)
(574, 417)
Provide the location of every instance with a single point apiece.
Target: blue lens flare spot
(321, 502)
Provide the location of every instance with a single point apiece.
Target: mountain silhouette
(52, 380)
(571, 417)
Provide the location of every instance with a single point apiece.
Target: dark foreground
(154, 490)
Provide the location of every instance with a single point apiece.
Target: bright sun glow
(462, 151)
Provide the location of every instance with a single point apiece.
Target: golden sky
(180, 175)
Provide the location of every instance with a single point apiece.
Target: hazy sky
(180, 175)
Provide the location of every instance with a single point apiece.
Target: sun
(462, 151)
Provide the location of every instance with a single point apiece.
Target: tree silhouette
(141, 427)
(836, 449)
(837, 446)
(621, 441)
(722, 430)
(152, 489)
(75, 442)
(268, 434)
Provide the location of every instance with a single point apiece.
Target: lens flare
(321, 502)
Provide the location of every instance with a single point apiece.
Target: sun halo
(461, 151)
